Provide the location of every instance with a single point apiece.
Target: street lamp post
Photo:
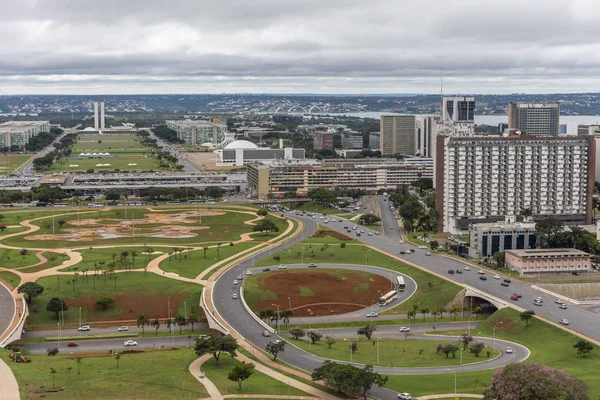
(310, 329)
(367, 256)
(448, 369)
(494, 340)
(474, 315)
(278, 315)
(289, 303)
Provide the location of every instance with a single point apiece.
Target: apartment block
(198, 132)
(484, 179)
(323, 140)
(397, 134)
(279, 177)
(426, 131)
(539, 119)
(18, 133)
(352, 140)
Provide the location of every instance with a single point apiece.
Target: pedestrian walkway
(9, 388)
(451, 396)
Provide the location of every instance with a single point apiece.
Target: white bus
(388, 298)
(401, 284)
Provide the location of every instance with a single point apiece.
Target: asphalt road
(101, 330)
(7, 308)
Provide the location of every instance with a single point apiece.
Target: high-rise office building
(484, 179)
(323, 140)
(426, 130)
(397, 134)
(540, 119)
(99, 115)
(458, 116)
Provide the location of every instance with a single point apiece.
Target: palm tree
(424, 311)
(78, 360)
(156, 324)
(134, 254)
(193, 319)
(205, 249)
(180, 320)
(143, 321)
(113, 256)
(411, 314)
(286, 314)
(577, 236)
(53, 372)
(526, 214)
(454, 310)
(415, 307)
(168, 323)
(441, 311)
(218, 249)
(435, 313)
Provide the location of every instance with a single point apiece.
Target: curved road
(7, 308)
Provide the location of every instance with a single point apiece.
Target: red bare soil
(332, 294)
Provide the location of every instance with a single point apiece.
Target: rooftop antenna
(442, 100)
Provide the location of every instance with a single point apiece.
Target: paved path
(9, 388)
(451, 396)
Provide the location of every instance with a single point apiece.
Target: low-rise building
(198, 131)
(280, 177)
(16, 134)
(488, 239)
(545, 261)
(352, 140)
(242, 152)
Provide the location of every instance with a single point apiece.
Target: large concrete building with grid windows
(16, 134)
(397, 134)
(540, 119)
(484, 179)
(198, 132)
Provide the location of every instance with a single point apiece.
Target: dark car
(72, 344)
(451, 271)
(519, 295)
(266, 269)
(483, 278)
(504, 284)
(507, 281)
(459, 271)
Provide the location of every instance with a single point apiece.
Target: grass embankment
(324, 235)
(9, 162)
(148, 375)
(10, 278)
(258, 383)
(193, 263)
(549, 345)
(392, 352)
(136, 293)
(54, 260)
(312, 207)
(432, 292)
(15, 217)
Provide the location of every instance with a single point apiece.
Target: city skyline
(65, 47)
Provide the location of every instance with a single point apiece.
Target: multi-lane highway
(7, 308)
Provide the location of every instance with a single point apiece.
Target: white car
(234, 296)
(370, 233)
(481, 272)
(404, 396)
(562, 306)
(122, 328)
(130, 343)
(422, 247)
(564, 321)
(509, 350)
(283, 267)
(84, 328)
(467, 268)
(401, 241)
(496, 276)
(558, 301)
(404, 329)
(248, 272)
(372, 314)
(428, 253)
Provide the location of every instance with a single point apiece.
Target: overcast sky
(308, 46)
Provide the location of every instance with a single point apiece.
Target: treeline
(167, 134)
(44, 194)
(181, 194)
(42, 140)
(63, 149)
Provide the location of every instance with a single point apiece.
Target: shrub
(52, 351)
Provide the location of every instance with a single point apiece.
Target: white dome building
(236, 153)
(240, 144)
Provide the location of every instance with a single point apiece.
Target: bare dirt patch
(333, 292)
(204, 161)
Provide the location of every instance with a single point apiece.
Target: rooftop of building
(339, 162)
(504, 225)
(54, 179)
(11, 126)
(542, 253)
(191, 122)
(241, 144)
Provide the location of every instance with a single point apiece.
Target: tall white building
(16, 134)
(99, 116)
(458, 116)
(426, 131)
(484, 179)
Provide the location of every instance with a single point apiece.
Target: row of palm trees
(143, 321)
(416, 308)
(270, 316)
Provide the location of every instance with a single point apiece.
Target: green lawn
(312, 207)
(10, 278)
(152, 375)
(392, 352)
(325, 238)
(118, 161)
(432, 292)
(54, 259)
(93, 257)
(89, 143)
(136, 293)
(10, 258)
(9, 162)
(191, 264)
(258, 383)
(549, 345)
(15, 217)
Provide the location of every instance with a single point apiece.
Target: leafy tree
(112, 195)
(365, 379)
(321, 196)
(477, 347)
(423, 184)
(499, 257)
(216, 345)
(3, 227)
(31, 289)
(330, 340)
(193, 319)
(315, 336)
(583, 347)
(448, 349)
(241, 372)
(528, 381)
(410, 212)
(526, 316)
(368, 219)
(56, 305)
(297, 332)
(143, 321)
(367, 330)
(262, 212)
(156, 324)
(274, 348)
(105, 303)
(547, 229)
(433, 245)
(336, 376)
(61, 222)
(265, 225)
(465, 339)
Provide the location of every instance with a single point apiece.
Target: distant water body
(571, 120)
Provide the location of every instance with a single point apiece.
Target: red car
(514, 297)
(72, 344)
